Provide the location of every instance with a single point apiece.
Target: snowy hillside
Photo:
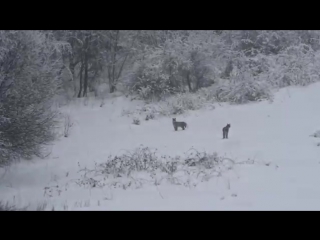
(279, 171)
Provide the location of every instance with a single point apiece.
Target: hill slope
(276, 136)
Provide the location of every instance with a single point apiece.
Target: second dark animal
(176, 124)
(225, 131)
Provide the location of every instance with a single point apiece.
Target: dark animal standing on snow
(176, 124)
(225, 131)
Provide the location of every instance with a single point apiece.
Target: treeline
(155, 64)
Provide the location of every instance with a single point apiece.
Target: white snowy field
(284, 175)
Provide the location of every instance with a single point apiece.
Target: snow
(276, 135)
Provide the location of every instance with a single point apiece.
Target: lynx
(225, 131)
(176, 124)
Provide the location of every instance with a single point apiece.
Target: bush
(243, 88)
(67, 125)
(201, 74)
(252, 78)
(29, 79)
(136, 121)
(180, 103)
(150, 116)
(152, 82)
(167, 75)
(257, 63)
(10, 207)
(7, 207)
(296, 65)
(144, 165)
(316, 134)
(177, 104)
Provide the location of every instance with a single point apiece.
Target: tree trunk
(228, 70)
(86, 46)
(112, 88)
(71, 67)
(81, 70)
(85, 76)
(189, 82)
(115, 49)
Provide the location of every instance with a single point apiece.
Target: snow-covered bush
(149, 117)
(269, 42)
(251, 63)
(182, 62)
(10, 207)
(180, 103)
(296, 65)
(246, 79)
(159, 85)
(6, 207)
(68, 123)
(29, 78)
(153, 80)
(136, 121)
(316, 134)
(145, 165)
(197, 71)
(243, 88)
(264, 41)
(176, 104)
(170, 75)
(207, 95)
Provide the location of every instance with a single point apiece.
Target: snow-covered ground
(285, 173)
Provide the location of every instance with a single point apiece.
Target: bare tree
(119, 48)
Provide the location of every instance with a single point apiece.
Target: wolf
(225, 131)
(176, 124)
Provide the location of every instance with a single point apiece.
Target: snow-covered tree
(178, 61)
(82, 57)
(120, 46)
(158, 63)
(30, 66)
(296, 65)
